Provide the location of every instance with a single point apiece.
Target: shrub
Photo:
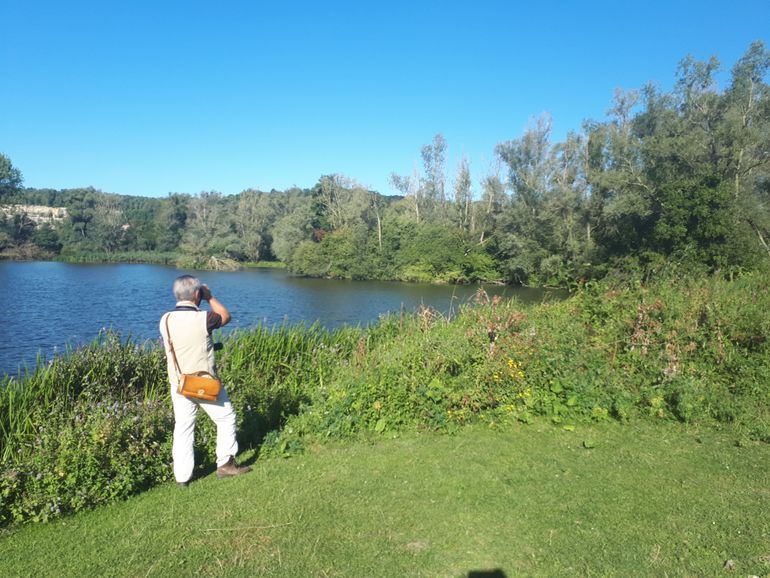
(689, 351)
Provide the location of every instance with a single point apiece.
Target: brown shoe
(231, 468)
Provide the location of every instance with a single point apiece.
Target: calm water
(52, 305)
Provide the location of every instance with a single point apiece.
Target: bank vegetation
(94, 426)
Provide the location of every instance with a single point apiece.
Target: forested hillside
(680, 175)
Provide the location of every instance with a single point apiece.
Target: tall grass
(94, 425)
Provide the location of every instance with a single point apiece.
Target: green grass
(604, 500)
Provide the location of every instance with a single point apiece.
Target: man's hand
(215, 305)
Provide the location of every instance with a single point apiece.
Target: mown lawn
(605, 500)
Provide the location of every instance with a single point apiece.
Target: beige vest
(193, 345)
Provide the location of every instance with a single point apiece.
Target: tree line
(680, 176)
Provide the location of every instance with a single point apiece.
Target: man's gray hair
(184, 287)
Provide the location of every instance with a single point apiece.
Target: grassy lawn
(606, 500)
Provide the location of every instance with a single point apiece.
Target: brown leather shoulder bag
(198, 385)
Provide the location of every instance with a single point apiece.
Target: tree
(409, 186)
(22, 229)
(492, 200)
(292, 229)
(171, 221)
(10, 178)
(524, 230)
(463, 196)
(47, 238)
(621, 205)
(203, 233)
(80, 214)
(566, 205)
(434, 180)
(109, 227)
(425, 191)
(339, 202)
(746, 131)
(252, 218)
(527, 162)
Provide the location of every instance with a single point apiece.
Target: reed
(153, 257)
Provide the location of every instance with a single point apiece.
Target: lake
(51, 306)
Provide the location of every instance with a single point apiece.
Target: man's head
(186, 288)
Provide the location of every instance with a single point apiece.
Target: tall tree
(251, 221)
(621, 201)
(294, 227)
(206, 224)
(10, 178)
(80, 213)
(434, 179)
(109, 226)
(463, 197)
(414, 195)
(746, 134)
(524, 232)
(171, 221)
(527, 162)
(492, 201)
(566, 201)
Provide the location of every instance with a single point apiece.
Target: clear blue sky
(151, 97)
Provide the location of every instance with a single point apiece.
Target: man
(190, 334)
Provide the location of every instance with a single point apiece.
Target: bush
(688, 351)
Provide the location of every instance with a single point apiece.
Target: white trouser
(220, 411)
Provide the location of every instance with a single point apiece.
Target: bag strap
(171, 345)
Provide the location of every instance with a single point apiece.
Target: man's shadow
(497, 573)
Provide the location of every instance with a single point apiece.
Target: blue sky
(147, 98)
